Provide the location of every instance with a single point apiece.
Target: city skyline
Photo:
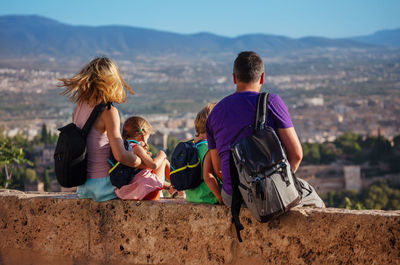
(338, 19)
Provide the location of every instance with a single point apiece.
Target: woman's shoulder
(110, 113)
(110, 109)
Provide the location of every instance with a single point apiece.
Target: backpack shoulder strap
(133, 141)
(93, 117)
(262, 111)
(237, 198)
(201, 142)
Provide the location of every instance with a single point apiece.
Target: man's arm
(292, 145)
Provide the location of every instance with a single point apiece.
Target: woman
(99, 82)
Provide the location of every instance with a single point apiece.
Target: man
(238, 110)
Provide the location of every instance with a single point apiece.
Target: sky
(295, 18)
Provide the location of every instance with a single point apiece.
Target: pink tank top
(98, 146)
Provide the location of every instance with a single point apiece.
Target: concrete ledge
(45, 228)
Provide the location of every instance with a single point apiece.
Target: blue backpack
(185, 166)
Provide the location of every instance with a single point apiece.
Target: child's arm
(146, 158)
(209, 178)
(216, 163)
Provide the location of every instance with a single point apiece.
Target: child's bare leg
(167, 169)
(160, 171)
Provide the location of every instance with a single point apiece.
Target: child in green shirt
(202, 194)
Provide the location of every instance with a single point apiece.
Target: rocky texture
(45, 228)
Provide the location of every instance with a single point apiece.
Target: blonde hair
(136, 127)
(201, 118)
(98, 82)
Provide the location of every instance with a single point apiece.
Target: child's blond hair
(201, 118)
(136, 127)
(98, 82)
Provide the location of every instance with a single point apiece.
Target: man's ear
(262, 78)
(234, 78)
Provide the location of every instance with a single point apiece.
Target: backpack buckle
(259, 192)
(249, 196)
(284, 176)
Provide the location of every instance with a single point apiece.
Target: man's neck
(246, 87)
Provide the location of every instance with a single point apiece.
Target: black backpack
(260, 172)
(121, 175)
(185, 166)
(70, 156)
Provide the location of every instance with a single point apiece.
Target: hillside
(384, 37)
(33, 36)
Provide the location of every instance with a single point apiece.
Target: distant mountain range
(34, 36)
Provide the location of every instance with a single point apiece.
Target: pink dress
(144, 185)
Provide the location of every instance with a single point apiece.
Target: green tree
(171, 144)
(10, 156)
(31, 174)
(46, 180)
(382, 195)
(43, 134)
(381, 149)
(327, 152)
(349, 143)
(311, 153)
(153, 150)
(396, 143)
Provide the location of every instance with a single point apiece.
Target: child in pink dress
(148, 183)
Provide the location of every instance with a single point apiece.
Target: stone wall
(44, 228)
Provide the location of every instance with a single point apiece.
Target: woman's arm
(292, 145)
(146, 158)
(209, 178)
(111, 122)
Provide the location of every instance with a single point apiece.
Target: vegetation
(172, 142)
(18, 162)
(355, 149)
(382, 195)
(10, 156)
(19, 165)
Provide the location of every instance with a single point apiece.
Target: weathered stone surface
(45, 228)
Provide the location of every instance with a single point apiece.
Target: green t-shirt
(202, 193)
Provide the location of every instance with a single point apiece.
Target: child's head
(98, 82)
(201, 118)
(136, 128)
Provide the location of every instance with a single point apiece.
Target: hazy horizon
(339, 19)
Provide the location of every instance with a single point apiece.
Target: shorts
(226, 198)
(97, 189)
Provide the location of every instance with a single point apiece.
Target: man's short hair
(248, 67)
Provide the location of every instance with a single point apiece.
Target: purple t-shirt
(233, 113)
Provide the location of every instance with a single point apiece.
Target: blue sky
(296, 18)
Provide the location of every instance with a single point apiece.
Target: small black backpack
(70, 156)
(260, 172)
(185, 166)
(121, 175)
